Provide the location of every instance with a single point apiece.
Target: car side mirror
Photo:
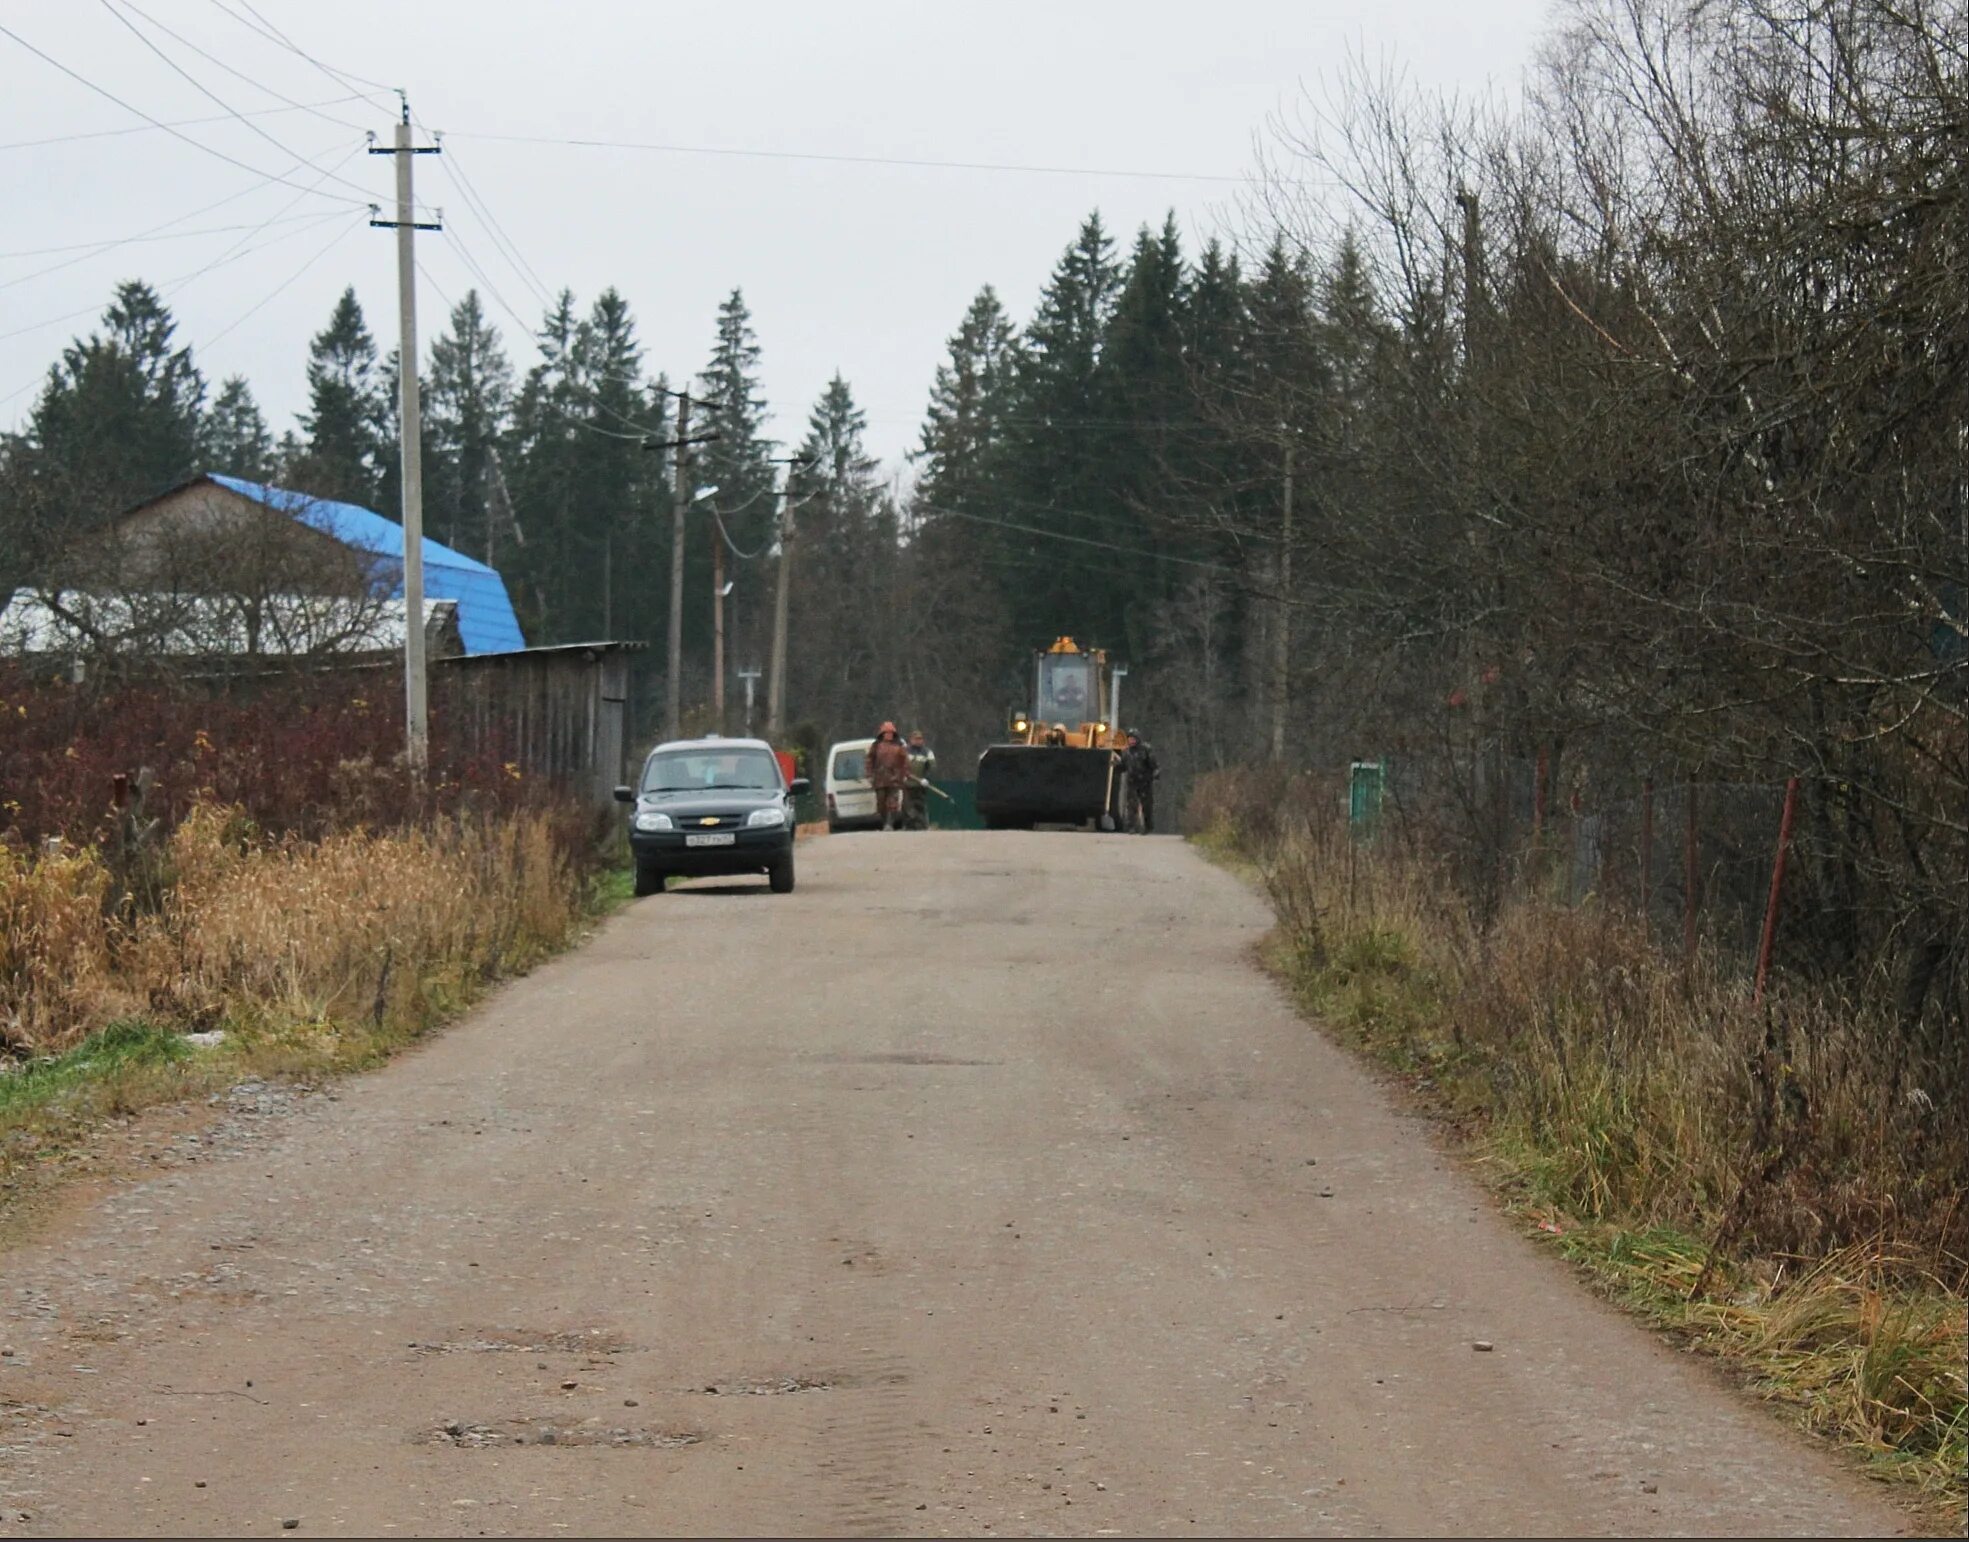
(799, 785)
(625, 795)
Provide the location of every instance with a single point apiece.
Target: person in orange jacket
(887, 769)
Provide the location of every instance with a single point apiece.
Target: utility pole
(776, 692)
(1282, 610)
(417, 727)
(681, 500)
(718, 588)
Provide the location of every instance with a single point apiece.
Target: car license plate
(722, 838)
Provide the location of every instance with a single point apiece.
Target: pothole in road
(476, 1435)
(492, 1341)
(907, 1057)
(772, 1386)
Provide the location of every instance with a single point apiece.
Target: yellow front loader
(1061, 762)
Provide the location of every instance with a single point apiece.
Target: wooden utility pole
(776, 691)
(1282, 610)
(673, 715)
(417, 729)
(718, 622)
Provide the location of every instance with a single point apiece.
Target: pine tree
(844, 568)
(233, 438)
(119, 415)
(554, 586)
(1148, 406)
(738, 463)
(1056, 479)
(971, 398)
(346, 451)
(466, 403)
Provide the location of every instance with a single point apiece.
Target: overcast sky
(857, 267)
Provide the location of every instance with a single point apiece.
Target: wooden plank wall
(556, 714)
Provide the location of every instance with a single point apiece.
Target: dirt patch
(493, 1341)
(479, 1435)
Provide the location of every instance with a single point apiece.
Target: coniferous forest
(1618, 430)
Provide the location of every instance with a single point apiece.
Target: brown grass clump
(1786, 1185)
(377, 929)
(54, 946)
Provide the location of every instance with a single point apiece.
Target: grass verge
(268, 960)
(1766, 1205)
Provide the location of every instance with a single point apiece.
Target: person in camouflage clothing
(1139, 771)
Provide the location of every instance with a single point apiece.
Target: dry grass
(1786, 1186)
(313, 956)
(361, 927)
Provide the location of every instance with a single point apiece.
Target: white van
(850, 795)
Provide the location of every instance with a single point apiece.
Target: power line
(218, 101)
(145, 128)
(173, 285)
(154, 122)
(483, 211)
(237, 74)
(93, 249)
(273, 34)
(915, 162)
(280, 288)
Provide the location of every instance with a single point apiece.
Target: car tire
(649, 880)
(780, 876)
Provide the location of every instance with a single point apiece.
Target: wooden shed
(560, 712)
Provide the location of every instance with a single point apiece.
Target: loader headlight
(765, 818)
(649, 819)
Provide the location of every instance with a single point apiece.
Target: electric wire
(275, 218)
(154, 234)
(154, 122)
(468, 190)
(170, 289)
(273, 34)
(237, 74)
(913, 162)
(281, 288)
(145, 128)
(217, 101)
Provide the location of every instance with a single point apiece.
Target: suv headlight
(766, 818)
(649, 819)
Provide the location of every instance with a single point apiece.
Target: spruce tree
(738, 463)
(345, 451)
(466, 402)
(554, 586)
(233, 438)
(118, 418)
(1057, 477)
(969, 402)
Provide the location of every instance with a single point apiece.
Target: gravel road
(982, 1185)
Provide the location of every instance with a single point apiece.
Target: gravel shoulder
(984, 1184)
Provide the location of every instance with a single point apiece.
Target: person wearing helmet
(887, 768)
(1056, 736)
(1139, 771)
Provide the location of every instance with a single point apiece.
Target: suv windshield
(721, 770)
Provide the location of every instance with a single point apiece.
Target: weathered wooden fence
(558, 712)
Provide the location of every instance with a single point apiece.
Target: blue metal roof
(486, 623)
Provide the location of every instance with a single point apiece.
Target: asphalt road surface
(982, 1185)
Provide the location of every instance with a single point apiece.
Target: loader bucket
(1021, 785)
